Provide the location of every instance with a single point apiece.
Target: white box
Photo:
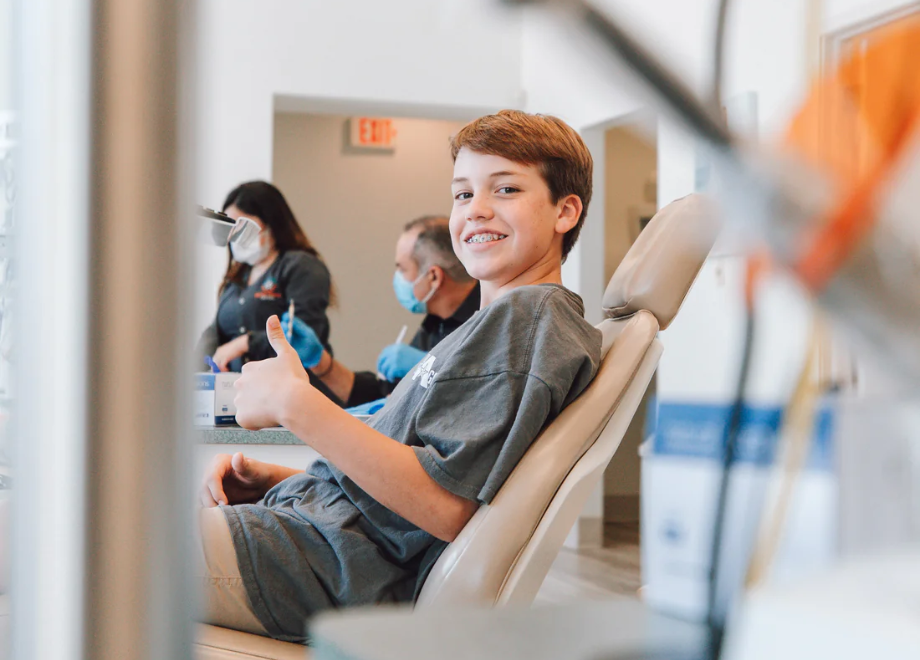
(214, 399)
(681, 472)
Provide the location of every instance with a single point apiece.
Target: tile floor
(609, 572)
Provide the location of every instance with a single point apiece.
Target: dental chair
(504, 553)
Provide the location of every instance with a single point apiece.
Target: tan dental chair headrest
(659, 268)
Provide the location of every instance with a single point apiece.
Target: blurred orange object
(854, 127)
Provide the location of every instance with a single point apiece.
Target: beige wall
(630, 160)
(353, 206)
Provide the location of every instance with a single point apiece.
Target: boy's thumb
(276, 335)
(240, 463)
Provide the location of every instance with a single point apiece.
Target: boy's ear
(569, 210)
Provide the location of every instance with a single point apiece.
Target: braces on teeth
(485, 238)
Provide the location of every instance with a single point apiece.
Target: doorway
(630, 201)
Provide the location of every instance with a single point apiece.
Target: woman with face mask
(263, 277)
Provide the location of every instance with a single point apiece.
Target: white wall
(353, 206)
(769, 51)
(409, 58)
(413, 52)
(568, 73)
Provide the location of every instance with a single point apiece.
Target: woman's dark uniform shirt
(296, 275)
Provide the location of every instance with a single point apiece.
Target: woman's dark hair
(265, 201)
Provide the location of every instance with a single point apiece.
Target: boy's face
(505, 228)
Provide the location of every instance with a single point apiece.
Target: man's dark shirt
(433, 330)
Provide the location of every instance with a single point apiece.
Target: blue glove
(368, 408)
(396, 360)
(304, 341)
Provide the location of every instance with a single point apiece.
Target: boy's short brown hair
(539, 140)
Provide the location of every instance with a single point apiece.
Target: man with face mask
(430, 280)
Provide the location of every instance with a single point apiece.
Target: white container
(681, 473)
(214, 399)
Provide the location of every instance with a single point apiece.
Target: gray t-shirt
(470, 410)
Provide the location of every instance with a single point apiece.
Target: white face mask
(251, 253)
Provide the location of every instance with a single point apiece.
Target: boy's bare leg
(225, 601)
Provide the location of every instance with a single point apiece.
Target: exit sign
(372, 133)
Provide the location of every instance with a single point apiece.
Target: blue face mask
(406, 296)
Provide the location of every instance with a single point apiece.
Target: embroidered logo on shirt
(424, 371)
(269, 290)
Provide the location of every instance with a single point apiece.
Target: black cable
(701, 119)
(715, 623)
(718, 57)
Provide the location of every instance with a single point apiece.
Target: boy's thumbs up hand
(267, 390)
(276, 336)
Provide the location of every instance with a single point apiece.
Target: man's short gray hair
(433, 246)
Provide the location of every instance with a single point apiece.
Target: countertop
(234, 435)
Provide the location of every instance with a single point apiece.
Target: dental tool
(401, 335)
(290, 331)
(399, 340)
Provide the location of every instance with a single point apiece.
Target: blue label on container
(204, 382)
(699, 430)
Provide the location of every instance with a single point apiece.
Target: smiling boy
(365, 523)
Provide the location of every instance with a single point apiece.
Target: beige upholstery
(505, 551)
(659, 268)
(499, 552)
(215, 643)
